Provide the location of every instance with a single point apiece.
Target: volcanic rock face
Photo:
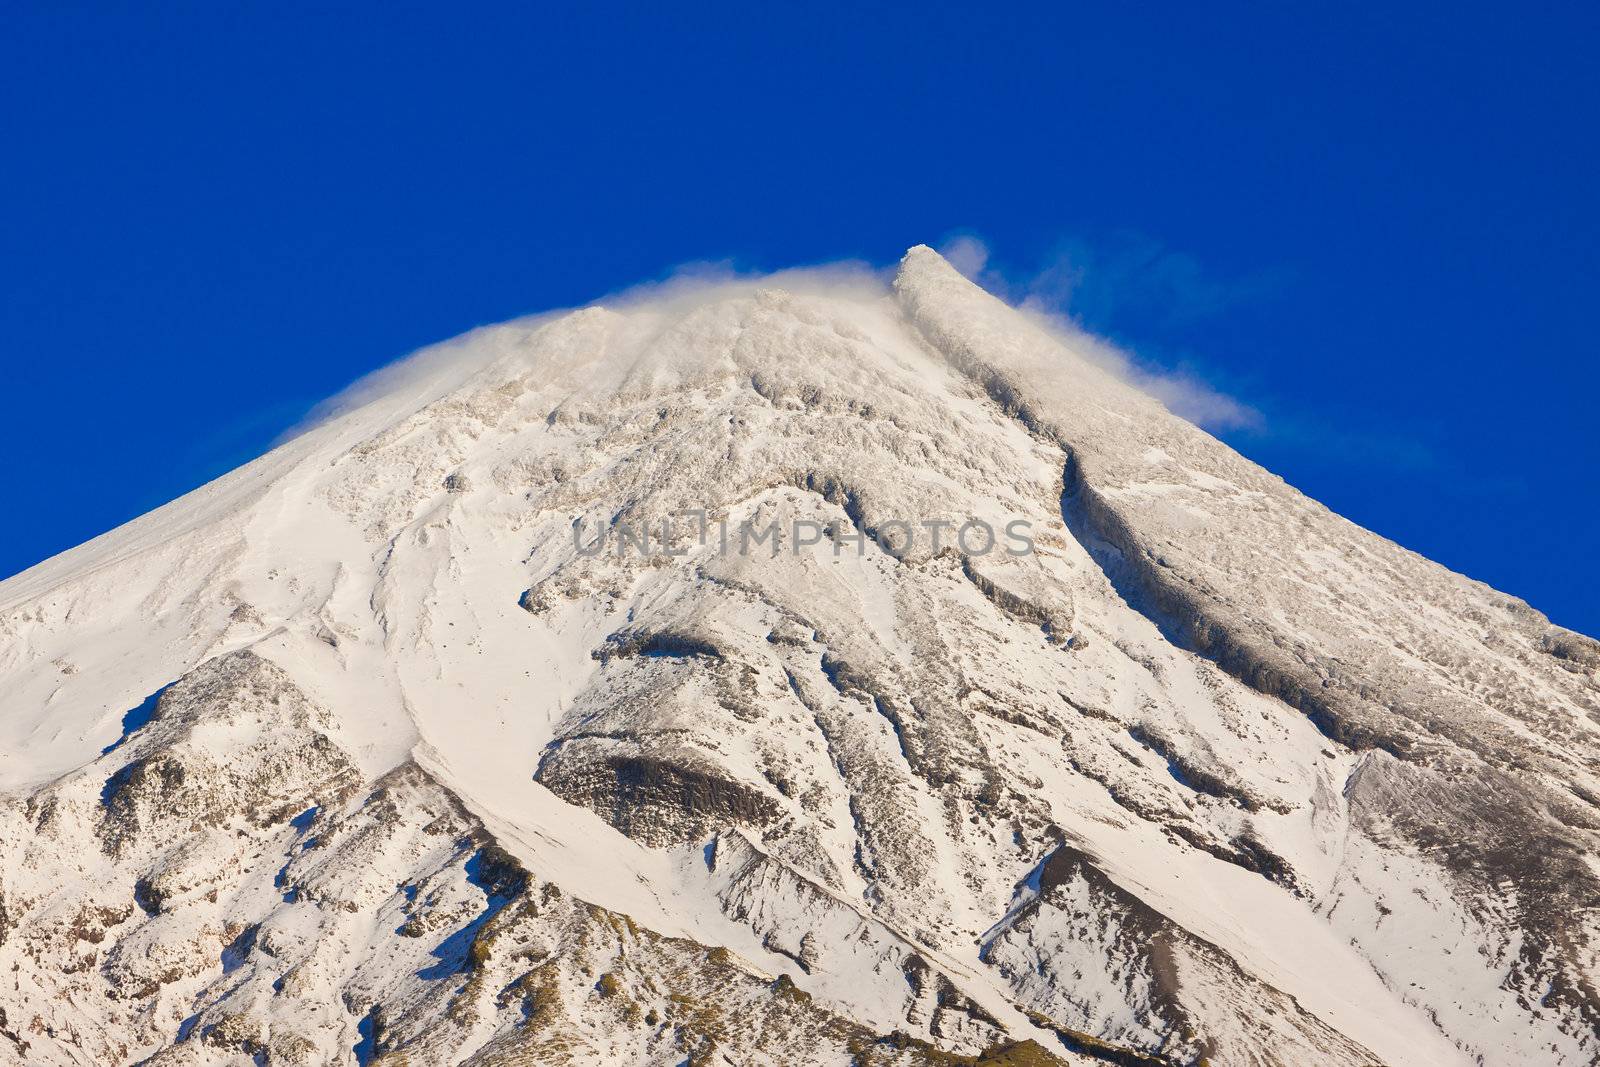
(596, 691)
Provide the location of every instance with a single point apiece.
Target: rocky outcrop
(1092, 958)
(662, 797)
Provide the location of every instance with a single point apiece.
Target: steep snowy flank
(470, 727)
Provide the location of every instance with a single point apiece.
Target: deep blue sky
(1377, 228)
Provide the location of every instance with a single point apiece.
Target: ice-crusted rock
(472, 727)
(1082, 951)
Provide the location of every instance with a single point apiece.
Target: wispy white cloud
(1138, 273)
(1130, 276)
(969, 255)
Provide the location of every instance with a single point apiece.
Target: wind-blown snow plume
(1047, 295)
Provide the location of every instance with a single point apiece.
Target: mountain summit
(801, 671)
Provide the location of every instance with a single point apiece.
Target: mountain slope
(367, 752)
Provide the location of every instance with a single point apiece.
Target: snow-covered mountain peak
(639, 683)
